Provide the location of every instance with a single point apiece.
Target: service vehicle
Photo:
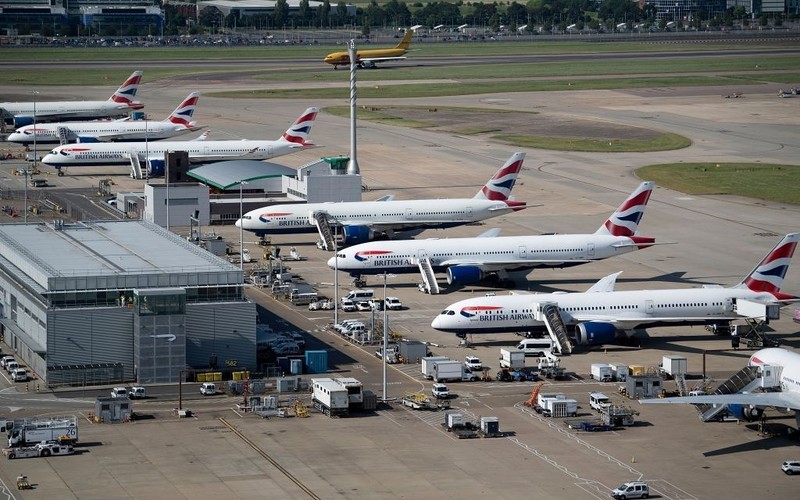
(119, 392)
(427, 363)
(44, 449)
(348, 305)
(790, 467)
(19, 375)
(12, 365)
(673, 365)
(538, 347)
(391, 354)
(377, 304)
(330, 397)
(598, 401)
(5, 359)
(363, 305)
(633, 489)
(602, 372)
(440, 391)
(286, 348)
(511, 359)
(359, 295)
(449, 370)
(473, 363)
(208, 389)
(63, 430)
(393, 304)
(137, 392)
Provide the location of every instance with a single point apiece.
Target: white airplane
(602, 315)
(366, 220)
(750, 405)
(122, 153)
(469, 260)
(119, 104)
(177, 123)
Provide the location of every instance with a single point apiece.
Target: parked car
(393, 304)
(348, 305)
(208, 389)
(440, 391)
(791, 467)
(633, 489)
(473, 363)
(363, 305)
(19, 375)
(119, 392)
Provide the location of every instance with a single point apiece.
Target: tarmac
(396, 452)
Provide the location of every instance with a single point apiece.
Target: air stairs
(136, 166)
(680, 381)
(430, 284)
(555, 326)
(62, 135)
(745, 380)
(320, 219)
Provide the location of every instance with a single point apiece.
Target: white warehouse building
(116, 301)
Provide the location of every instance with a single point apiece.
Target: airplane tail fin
(502, 182)
(183, 113)
(405, 43)
(301, 128)
(625, 220)
(127, 91)
(768, 275)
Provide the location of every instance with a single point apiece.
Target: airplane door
(468, 211)
(409, 214)
(523, 252)
(648, 307)
(728, 304)
(590, 250)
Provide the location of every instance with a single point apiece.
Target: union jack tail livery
(769, 273)
(182, 116)
(127, 91)
(625, 220)
(500, 185)
(298, 133)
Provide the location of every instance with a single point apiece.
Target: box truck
(602, 372)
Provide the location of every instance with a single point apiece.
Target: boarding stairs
(428, 277)
(136, 166)
(62, 135)
(680, 381)
(745, 380)
(320, 219)
(555, 326)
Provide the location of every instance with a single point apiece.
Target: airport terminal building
(113, 301)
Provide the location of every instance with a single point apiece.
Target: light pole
(385, 335)
(336, 275)
(35, 159)
(241, 225)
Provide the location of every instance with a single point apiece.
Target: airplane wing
(780, 400)
(491, 233)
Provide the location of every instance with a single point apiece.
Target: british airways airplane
(469, 260)
(750, 405)
(602, 315)
(367, 220)
(119, 104)
(177, 123)
(122, 153)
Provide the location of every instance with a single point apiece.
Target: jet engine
(464, 275)
(156, 168)
(354, 235)
(21, 121)
(745, 412)
(595, 333)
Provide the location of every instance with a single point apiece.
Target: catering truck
(330, 397)
(449, 370)
(427, 364)
(61, 429)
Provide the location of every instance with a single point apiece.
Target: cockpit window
(447, 312)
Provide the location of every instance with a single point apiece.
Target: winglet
(625, 220)
(768, 275)
(127, 91)
(301, 128)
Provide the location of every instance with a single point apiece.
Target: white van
(537, 347)
(19, 375)
(359, 295)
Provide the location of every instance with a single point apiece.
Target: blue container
(296, 366)
(316, 361)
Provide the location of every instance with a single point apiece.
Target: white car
(363, 306)
(393, 304)
(119, 392)
(473, 363)
(208, 389)
(633, 489)
(790, 467)
(19, 375)
(348, 305)
(440, 391)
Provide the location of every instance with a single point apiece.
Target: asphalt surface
(400, 453)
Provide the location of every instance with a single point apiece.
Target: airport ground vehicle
(440, 391)
(43, 449)
(511, 359)
(673, 365)
(427, 363)
(790, 467)
(363, 305)
(598, 400)
(119, 392)
(19, 375)
(5, 359)
(559, 407)
(633, 489)
(348, 305)
(602, 372)
(330, 397)
(473, 363)
(538, 347)
(63, 430)
(391, 354)
(208, 389)
(137, 392)
(359, 295)
(393, 304)
(448, 370)
(322, 305)
(12, 365)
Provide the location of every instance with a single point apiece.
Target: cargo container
(316, 361)
(637, 370)
(512, 359)
(447, 370)
(557, 407)
(673, 365)
(330, 397)
(426, 365)
(602, 372)
(412, 351)
(620, 372)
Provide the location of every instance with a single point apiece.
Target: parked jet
(469, 260)
(120, 153)
(179, 122)
(779, 363)
(368, 58)
(601, 315)
(119, 104)
(366, 220)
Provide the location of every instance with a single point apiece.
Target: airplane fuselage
(120, 153)
(626, 310)
(60, 110)
(398, 215)
(133, 131)
(339, 58)
(788, 360)
(509, 253)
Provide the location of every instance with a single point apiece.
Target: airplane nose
(437, 322)
(332, 263)
(238, 223)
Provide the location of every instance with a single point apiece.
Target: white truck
(330, 397)
(512, 359)
(449, 370)
(137, 392)
(427, 363)
(208, 389)
(673, 365)
(39, 450)
(62, 429)
(391, 354)
(602, 372)
(558, 407)
(598, 401)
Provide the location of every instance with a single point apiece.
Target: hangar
(116, 301)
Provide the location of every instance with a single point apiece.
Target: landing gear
(359, 282)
